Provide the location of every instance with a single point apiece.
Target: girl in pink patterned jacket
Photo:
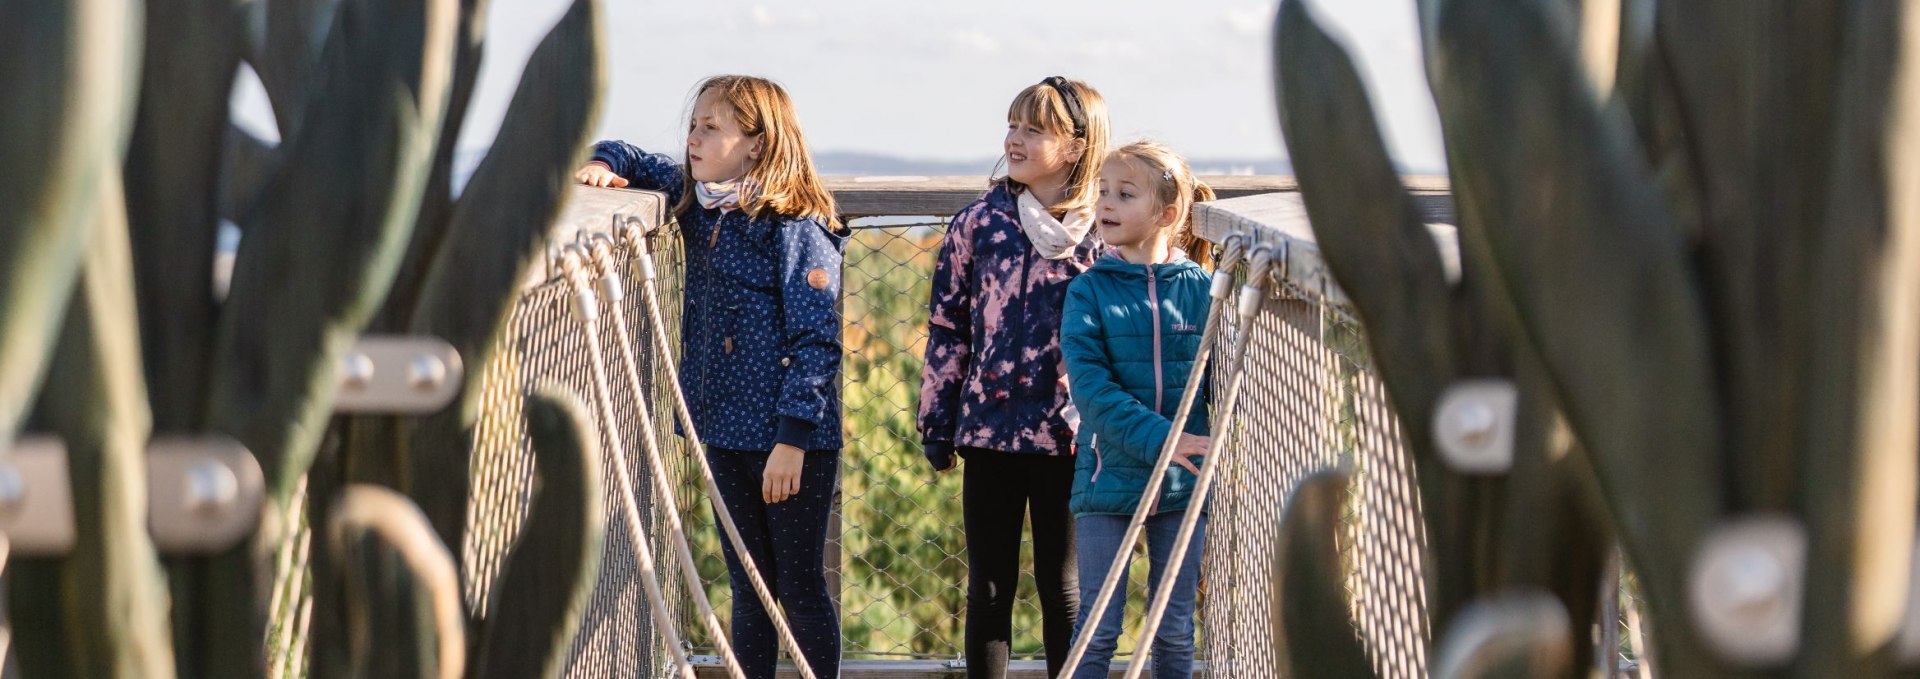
(994, 390)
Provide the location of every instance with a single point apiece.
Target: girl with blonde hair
(994, 390)
(1132, 330)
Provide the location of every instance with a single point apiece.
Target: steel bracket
(204, 495)
(406, 375)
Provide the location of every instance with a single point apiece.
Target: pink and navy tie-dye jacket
(994, 376)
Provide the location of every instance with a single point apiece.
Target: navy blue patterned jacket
(760, 330)
(994, 378)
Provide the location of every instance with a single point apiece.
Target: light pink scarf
(1052, 238)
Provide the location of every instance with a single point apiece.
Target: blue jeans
(788, 543)
(1099, 537)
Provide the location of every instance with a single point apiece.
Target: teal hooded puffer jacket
(1130, 333)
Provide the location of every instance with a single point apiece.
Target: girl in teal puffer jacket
(1130, 333)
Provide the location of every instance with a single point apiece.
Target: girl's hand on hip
(597, 174)
(1188, 448)
(782, 478)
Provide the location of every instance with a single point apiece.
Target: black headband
(1074, 112)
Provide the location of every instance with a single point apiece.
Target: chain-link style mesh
(896, 548)
(1310, 403)
(544, 342)
(897, 554)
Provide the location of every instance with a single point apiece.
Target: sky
(932, 80)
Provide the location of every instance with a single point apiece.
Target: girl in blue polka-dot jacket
(761, 344)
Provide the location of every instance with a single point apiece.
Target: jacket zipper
(1153, 300)
(1159, 380)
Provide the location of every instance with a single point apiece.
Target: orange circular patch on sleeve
(818, 279)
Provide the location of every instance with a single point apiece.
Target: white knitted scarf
(1052, 238)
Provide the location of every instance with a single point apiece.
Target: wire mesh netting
(1310, 404)
(897, 557)
(545, 341)
(897, 552)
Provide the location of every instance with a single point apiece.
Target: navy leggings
(788, 542)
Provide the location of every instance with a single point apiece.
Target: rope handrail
(698, 451)
(1250, 299)
(1307, 400)
(612, 289)
(1220, 293)
(587, 310)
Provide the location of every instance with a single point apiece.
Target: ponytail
(1176, 186)
(1198, 249)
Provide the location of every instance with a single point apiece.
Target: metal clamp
(1473, 425)
(1283, 264)
(633, 231)
(36, 497)
(1746, 586)
(1233, 250)
(204, 495)
(398, 374)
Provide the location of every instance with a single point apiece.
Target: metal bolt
(13, 488)
(427, 373)
(1473, 423)
(211, 487)
(356, 370)
(1752, 583)
(1745, 588)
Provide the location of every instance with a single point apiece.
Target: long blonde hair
(783, 179)
(1173, 184)
(1043, 105)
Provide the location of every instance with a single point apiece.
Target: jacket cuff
(939, 454)
(794, 432)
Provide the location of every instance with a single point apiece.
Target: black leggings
(788, 542)
(1001, 490)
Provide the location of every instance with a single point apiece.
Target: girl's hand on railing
(1188, 448)
(598, 174)
(782, 478)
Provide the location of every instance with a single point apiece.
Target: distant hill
(847, 163)
(871, 164)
